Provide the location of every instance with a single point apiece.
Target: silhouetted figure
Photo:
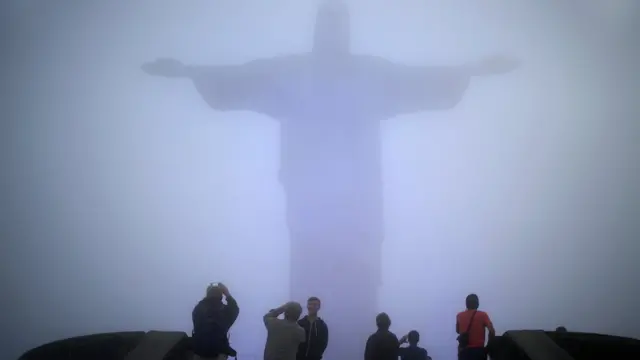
(212, 320)
(284, 336)
(561, 329)
(317, 332)
(413, 351)
(471, 325)
(383, 344)
(329, 104)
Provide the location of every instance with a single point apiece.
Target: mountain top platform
(174, 345)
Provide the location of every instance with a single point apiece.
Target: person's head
(413, 337)
(561, 329)
(332, 30)
(472, 302)
(214, 292)
(292, 311)
(313, 306)
(383, 321)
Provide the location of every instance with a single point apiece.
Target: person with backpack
(413, 351)
(470, 326)
(212, 320)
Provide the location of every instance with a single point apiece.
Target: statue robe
(329, 111)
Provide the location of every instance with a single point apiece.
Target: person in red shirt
(471, 325)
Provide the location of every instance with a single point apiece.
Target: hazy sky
(123, 195)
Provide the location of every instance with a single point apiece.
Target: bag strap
(471, 321)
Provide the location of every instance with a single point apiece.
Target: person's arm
(323, 334)
(369, 349)
(232, 310)
(458, 324)
(489, 326)
(273, 314)
(395, 346)
(194, 318)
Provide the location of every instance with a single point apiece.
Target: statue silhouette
(329, 104)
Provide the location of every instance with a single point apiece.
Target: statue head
(332, 30)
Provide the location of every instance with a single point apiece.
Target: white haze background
(123, 195)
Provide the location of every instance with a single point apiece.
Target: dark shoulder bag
(463, 339)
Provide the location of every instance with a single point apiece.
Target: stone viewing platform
(174, 345)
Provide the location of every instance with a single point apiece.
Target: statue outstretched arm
(402, 89)
(253, 86)
(495, 65)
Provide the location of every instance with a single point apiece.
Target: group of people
(294, 338)
(289, 338)
(472, 326)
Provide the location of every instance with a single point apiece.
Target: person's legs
(479, 353)
(473, 354)
(462, 354)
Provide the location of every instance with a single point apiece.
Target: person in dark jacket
(212, 320)
(317, 332)
(383, 344)
(413, 351)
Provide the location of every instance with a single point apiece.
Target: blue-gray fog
(124, 195)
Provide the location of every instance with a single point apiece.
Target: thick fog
(124, 195)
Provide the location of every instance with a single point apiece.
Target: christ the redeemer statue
(329, 104)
